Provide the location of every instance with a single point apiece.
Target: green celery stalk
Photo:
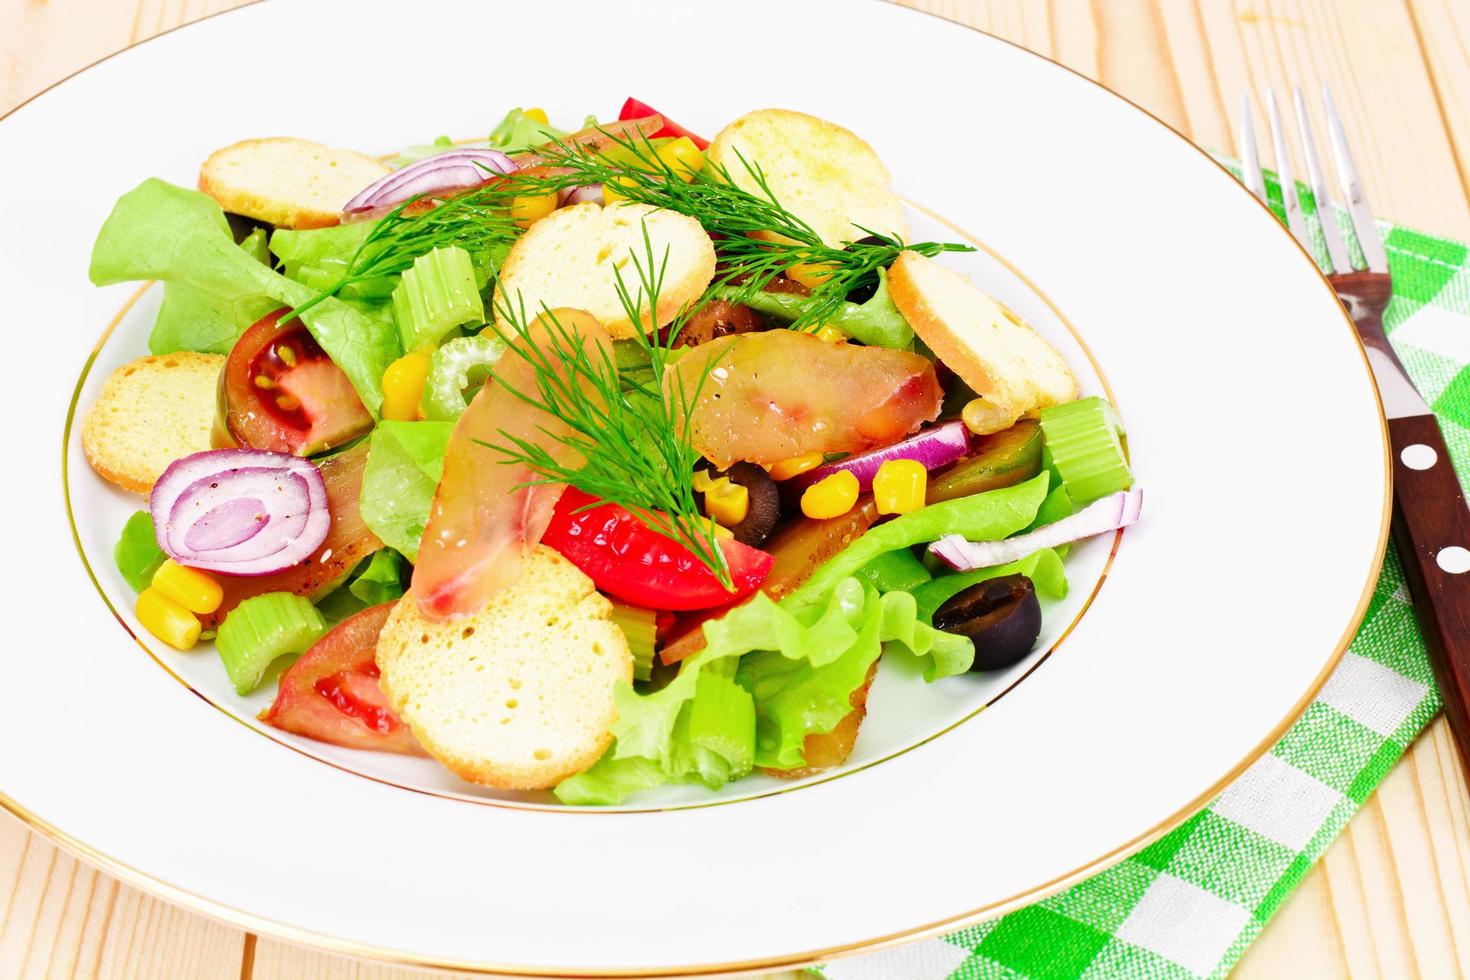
(1084, 442)
(640, 626)
(895, 571)
(263, 628)
(877, 323)
(456, 369)
(436, 295)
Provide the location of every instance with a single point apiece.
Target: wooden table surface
(1392, 896)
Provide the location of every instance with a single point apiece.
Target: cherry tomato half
(280, 391)
(331, 694)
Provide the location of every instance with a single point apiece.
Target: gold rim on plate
(257, 924)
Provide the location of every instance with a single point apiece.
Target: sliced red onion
(442, 173)
(934, 448)
(1108, 514)
(240, 511)
(585, 194)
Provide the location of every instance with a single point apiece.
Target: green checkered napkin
(1189, 905)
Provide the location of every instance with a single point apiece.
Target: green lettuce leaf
(1044, 568)
(405, 462)
(801, 669)
(137, 553)
(377, 579)
(160, 231)
(192, 319)
(416, 152)
(517, 132)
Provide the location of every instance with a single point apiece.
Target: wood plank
(46, 41)
(1368, 51)
(61, 918)
(1443, 29)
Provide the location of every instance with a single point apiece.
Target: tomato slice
(348, 542)
(765, 397)
(624, 558)
(485, 519)
(633, 109)
(280, 391)
(332, 695)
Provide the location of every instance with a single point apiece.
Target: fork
(1431, 524)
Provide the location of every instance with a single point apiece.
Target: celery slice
(263, 628)
(436, 295)
(640, 626)
(716, 728)
(1085, 442)
(455, 369)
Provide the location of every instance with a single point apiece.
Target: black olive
(765, 503)
(865, 287)
(1000, 615)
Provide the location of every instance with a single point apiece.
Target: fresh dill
(733, 215)
(631, 436)
(478, 222)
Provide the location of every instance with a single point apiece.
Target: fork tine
(1289, 199)
(1352, 188)
(1250, 157)
(1337, 253)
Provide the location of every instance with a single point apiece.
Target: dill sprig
(630, 436)
(733, 215)
(477, 222)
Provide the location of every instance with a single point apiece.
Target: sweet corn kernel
(403, 385)
(830, 497)
(831, 334)
(982, 417)
(196, 591)
(702, 481)
(723, 533)
(810, 274)
(899, 486)
(682, 157)
(726, 502)
(794, 466)
(167, 620)
(527, 209)
(610, 192)
(536, 115)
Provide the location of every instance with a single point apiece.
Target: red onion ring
(240, 511)
(442, 173)
(585, 194)
(1108, 514)
(934, 448)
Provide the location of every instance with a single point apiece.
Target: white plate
(1190, 641)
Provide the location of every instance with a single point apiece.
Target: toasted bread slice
(519, 695)
(818, 171)
(572, 258)
(151, 412)
(289, 182)
(1012, 367)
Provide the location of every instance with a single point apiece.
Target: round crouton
(291, 183)
(817, 170)
(151, 412)
(1012, 367)
(573, 257)
(519, 695)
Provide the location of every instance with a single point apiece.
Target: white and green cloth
(1189, 904)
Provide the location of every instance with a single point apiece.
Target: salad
(590, 460)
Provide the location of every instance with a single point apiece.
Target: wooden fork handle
(1431, 528)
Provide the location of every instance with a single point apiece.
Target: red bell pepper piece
(624, 558)
(633, 109)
